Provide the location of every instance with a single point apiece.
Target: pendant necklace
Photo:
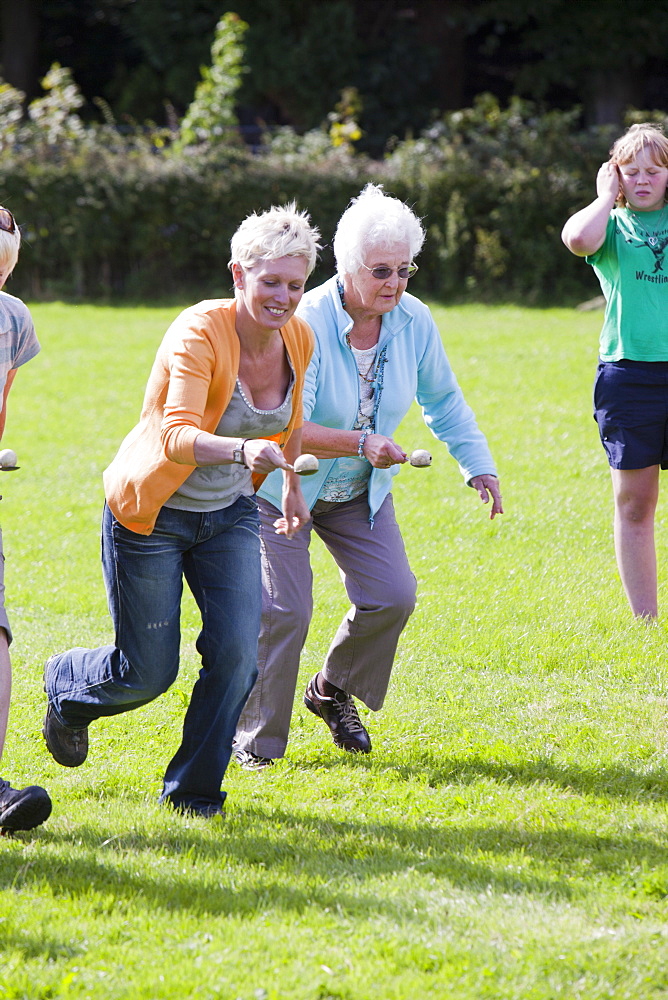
(363, 375)
(652, 238)
(380, 362)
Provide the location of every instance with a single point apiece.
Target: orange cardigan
(189, 388)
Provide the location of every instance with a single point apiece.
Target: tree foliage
(129, 210)
(407, 61)
(603, 51)
(110, 212)
(211, 116)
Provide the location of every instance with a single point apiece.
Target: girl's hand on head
(607, 181)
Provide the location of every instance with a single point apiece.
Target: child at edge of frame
(25, 808)
(623, 235)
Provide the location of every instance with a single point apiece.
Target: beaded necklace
(377, 379)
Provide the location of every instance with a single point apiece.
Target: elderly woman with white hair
(228, 377)
(377, 349)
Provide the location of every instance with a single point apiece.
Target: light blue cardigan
(417, 367)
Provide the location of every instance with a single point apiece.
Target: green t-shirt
(630, 268)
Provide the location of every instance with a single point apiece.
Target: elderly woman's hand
(382, 452)
(487, 485)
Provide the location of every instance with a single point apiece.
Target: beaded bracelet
(360, 447)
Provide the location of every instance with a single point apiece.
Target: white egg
(306, 465)
(420, 458)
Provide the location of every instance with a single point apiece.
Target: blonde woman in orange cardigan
(227, 379)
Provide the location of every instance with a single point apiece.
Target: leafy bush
(137, 212)
(495, 187)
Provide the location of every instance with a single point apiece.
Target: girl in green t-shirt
(623, 234)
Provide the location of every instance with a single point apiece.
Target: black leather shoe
(250, 761)
(340, 714)
(68, 747)
(23, 808)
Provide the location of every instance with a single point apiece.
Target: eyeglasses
(7, 221)
(383, 273)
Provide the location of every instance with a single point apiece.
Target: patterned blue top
(18, 340)
(415, 367)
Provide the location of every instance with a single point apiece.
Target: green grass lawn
(507, 838)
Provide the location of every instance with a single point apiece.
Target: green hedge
(495, 188)
(150, 229)
(112, 218)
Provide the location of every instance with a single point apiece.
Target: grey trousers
(381, 588)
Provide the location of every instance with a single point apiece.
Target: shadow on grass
(271, 859)
(615, 781)
(295, 861)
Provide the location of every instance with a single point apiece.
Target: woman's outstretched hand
(487, 486)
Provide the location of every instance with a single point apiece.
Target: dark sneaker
(340, 714)
(250, 761)
(208, 811)
(68, 747)
(23, 809)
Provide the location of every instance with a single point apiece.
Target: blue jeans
(218, 552)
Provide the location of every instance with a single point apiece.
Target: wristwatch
(238, 453)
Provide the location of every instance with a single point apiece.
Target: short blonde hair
(643, 136)
(278, 232)
(10, 244)
(374, 220)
